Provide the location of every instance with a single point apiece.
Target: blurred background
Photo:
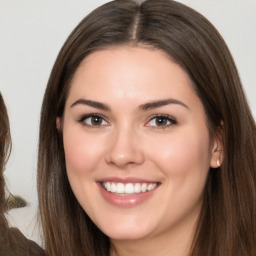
(31, 35)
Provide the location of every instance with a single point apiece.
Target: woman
(147, 144)
(12, 241)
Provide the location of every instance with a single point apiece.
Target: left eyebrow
(161, 103)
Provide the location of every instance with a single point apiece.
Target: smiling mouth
(124, 189)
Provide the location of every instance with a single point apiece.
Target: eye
(161, 121)
(93, 120)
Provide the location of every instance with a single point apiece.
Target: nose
(125, 149)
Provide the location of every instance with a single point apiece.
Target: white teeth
(137, 188)
(108, 186)
(113, 188)
(128, 188)
(144, 187)
(151, 186)
(120, 188)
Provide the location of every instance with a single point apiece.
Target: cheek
(82, 152)
(184, 161)
(184, 154)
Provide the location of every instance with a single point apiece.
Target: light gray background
(31, 34)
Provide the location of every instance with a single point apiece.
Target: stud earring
(218, 162)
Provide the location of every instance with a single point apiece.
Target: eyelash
(94, 115)
(165, 118)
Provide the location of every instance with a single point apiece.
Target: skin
(129, 141)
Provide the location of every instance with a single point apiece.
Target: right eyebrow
(91, 103)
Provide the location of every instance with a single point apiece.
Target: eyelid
(85, 116)
(171, 119)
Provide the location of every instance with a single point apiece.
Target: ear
(58, 124)
(217, 150)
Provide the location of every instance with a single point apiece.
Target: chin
(131, 233)
(126, 236)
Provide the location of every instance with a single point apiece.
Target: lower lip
(126, 201)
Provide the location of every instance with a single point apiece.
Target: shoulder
(14, 243)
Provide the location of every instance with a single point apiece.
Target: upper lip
(126, 180)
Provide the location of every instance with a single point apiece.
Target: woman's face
(136, 143)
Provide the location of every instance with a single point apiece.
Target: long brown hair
(227, 224)
(5, 147)
(12, 241)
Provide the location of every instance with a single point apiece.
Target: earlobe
(58, 123)
(217, 155)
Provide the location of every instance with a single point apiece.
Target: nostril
(124, 149)
(122, 160)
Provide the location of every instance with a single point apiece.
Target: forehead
(127, 69)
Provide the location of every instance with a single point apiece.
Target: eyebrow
(143, 107)
(160, 103)
(91, 103)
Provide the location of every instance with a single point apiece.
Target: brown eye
(93, 120)
(161, 121)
